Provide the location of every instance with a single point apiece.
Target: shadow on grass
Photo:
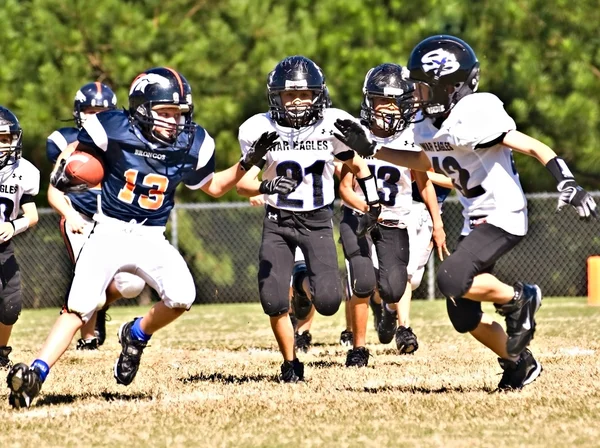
(226, 379)
(324, 364)
(55, 399)
(416, 389)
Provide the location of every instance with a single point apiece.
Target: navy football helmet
(445, 69)
(387, 81)
(9, 124)
(297, 73)
(93, 94)
(161, 86)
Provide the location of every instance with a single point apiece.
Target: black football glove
(60, 180)
(572, 194)
(259, 149)
(368, 221)
(279, 185)
(354, 137)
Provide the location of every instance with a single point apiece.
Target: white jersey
(485, 178)
(18, 183)
(305, 155)
(393, 182)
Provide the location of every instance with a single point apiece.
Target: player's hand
(279, 185)
(259, 149)
(368, 221)
(572, 194)
(7, 230)
(62, 182)
(75, 222)
(258, 200)
(439, 239)
(354, 137)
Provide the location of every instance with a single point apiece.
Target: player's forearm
(58, 201)
(429, 198)
(414, 160)
(30, 213)
(440, 180)
(225, 180)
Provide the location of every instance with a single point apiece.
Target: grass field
(209, 380)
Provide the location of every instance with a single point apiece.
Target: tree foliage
(541, 58)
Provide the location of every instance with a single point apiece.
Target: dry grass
(208, 380)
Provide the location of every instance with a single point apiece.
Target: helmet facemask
(147, 119)
(297, 116)
(10, 152)
(389, 122)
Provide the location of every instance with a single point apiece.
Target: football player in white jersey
(298, 178)
(383, 91)
(469, 137)
(19, 183)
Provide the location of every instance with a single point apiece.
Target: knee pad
(464, 314)
(362, 276)
(417, 278)
(392, 285)
(128, 285)
(455, 277)
(10, 308)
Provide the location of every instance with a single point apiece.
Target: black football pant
(312, 231)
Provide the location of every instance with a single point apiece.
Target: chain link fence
(220, 243)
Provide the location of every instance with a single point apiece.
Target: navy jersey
(84, 202)
(140, 177)
(441, 193)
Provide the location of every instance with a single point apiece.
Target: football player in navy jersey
(19, 183)
(147, 152)
(77, 208)
(298, 179)
(385, 122)
(469, 137)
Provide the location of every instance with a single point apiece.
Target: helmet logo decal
(442, 61)
(80, 96)
(141, 82)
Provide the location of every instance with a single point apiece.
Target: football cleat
(100, 330)
(129, 360)
(303, 341)
(87, 344)
(357, 357)
(386, 330)
(520, 373)
(291, 371)
(301, 304)
(4, 359)
(347, 338)
(406, 340)
(24, 384)
(520, 317)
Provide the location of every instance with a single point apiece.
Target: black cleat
(406, 340)
(376, 307)
(520, 317)
(291, 371)
(347, 338)
(5, 362)
(100, 330)
(24, 384)
(357, 357)
(301, 304)
(128, 363)
(520, 373)
(87, 344)
(302, 341)
(386, 330)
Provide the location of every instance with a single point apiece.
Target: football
(84, 168)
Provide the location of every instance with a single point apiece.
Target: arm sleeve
(205, 168)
